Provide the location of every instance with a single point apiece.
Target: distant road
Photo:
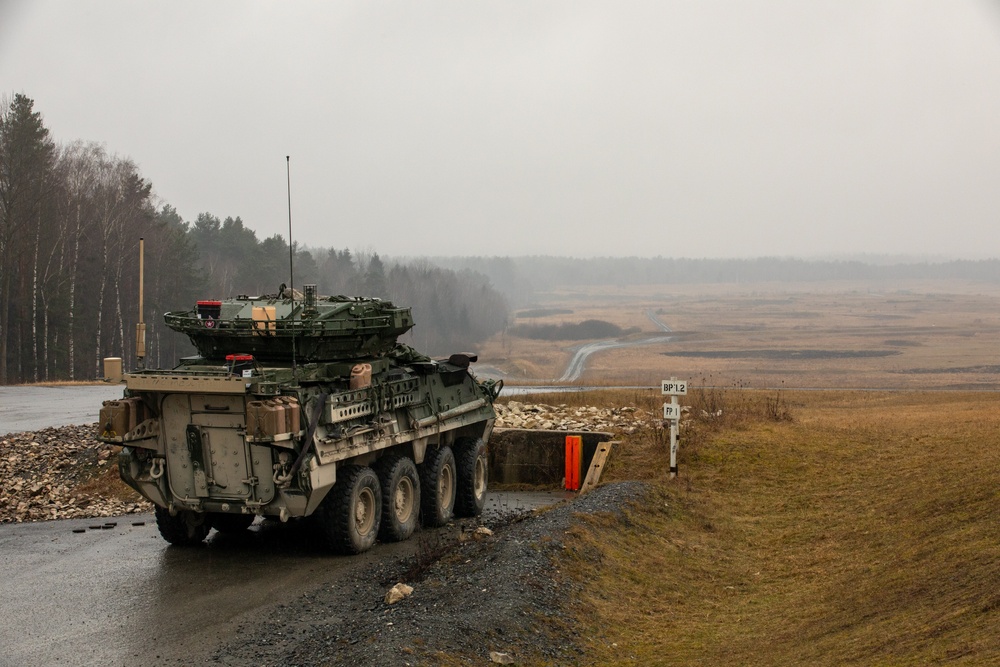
(579, 361)
(30, 407)
(661, 325)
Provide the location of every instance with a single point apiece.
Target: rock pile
(564, 418)
(42, 472)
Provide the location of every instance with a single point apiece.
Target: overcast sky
(675, 128)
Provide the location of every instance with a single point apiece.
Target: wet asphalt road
(28, 408)
(122, 596)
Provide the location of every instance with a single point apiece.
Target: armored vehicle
(304, 406)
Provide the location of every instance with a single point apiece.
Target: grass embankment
(862, 531)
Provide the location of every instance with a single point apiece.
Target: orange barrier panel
(574, 460)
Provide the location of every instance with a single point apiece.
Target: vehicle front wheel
(185, 529)
(437, 487)
(351, 512)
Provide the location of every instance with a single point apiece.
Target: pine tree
(27, 156)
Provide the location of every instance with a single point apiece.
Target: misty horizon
(706, 130)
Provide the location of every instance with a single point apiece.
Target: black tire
(231, 524)
(184, 530)
(437, 487)
(351, 513)
(472, 466)
(400, 498)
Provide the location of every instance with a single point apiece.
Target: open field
(917, 335)
(828, 527)
(845, 528)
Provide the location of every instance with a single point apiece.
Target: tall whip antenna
(291, 260)
(140, 328)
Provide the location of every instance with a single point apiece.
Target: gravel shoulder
(473, 595)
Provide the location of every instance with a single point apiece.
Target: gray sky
(676, 128)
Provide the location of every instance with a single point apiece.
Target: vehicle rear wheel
(231, 524)
(185, 529)
(400, 498)
(351, 512)
(437, 487)
(472, 465)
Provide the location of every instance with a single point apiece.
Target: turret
(334, 328)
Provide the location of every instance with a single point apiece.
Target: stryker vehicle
(304, 406)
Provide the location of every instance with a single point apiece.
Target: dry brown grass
(862, 532)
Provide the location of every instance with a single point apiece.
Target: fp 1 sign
(671, 411)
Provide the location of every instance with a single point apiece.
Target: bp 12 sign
(675, 387)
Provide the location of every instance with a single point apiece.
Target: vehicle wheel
(400, 498)
(231, 524)
(437, 487)
(351, 512)
(472, 466)
(184, 530)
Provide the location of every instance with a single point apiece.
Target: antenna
(140, 328)
(291, 260)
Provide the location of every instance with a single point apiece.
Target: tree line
(71, 216)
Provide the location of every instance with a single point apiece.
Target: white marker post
(672, 412)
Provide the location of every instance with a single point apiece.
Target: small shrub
(776, 408)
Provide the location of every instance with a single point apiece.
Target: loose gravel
(476, 598)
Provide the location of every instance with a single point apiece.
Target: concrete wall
(536, 458)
